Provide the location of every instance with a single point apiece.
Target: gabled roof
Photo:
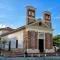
(37, 22)
(7, 28)
(16, 30)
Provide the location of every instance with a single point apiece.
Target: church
(34, 37)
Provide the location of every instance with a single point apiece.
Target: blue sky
(13, 12)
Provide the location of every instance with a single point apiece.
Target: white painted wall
(15, 36)
(1, 32)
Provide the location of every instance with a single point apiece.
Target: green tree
(3, 41)
(56, 40)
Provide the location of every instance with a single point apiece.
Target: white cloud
(12, 26)
(2, 26)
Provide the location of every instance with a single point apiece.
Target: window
(9, 46)
(16, 43)
(13, 42)
(41, 35)
(31, 13)
(47, 17)
(40, 23)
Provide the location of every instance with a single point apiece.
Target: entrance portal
(41, 45)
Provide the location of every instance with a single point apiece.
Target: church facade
(34, 37)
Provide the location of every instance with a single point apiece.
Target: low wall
(30, 58)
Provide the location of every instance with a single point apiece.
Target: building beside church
(34, 37)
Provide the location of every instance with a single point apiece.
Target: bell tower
(47, 18)
(30, 15)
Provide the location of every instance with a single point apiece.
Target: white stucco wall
(13, 37)
(1, 32)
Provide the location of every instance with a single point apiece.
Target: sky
(13, 12)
